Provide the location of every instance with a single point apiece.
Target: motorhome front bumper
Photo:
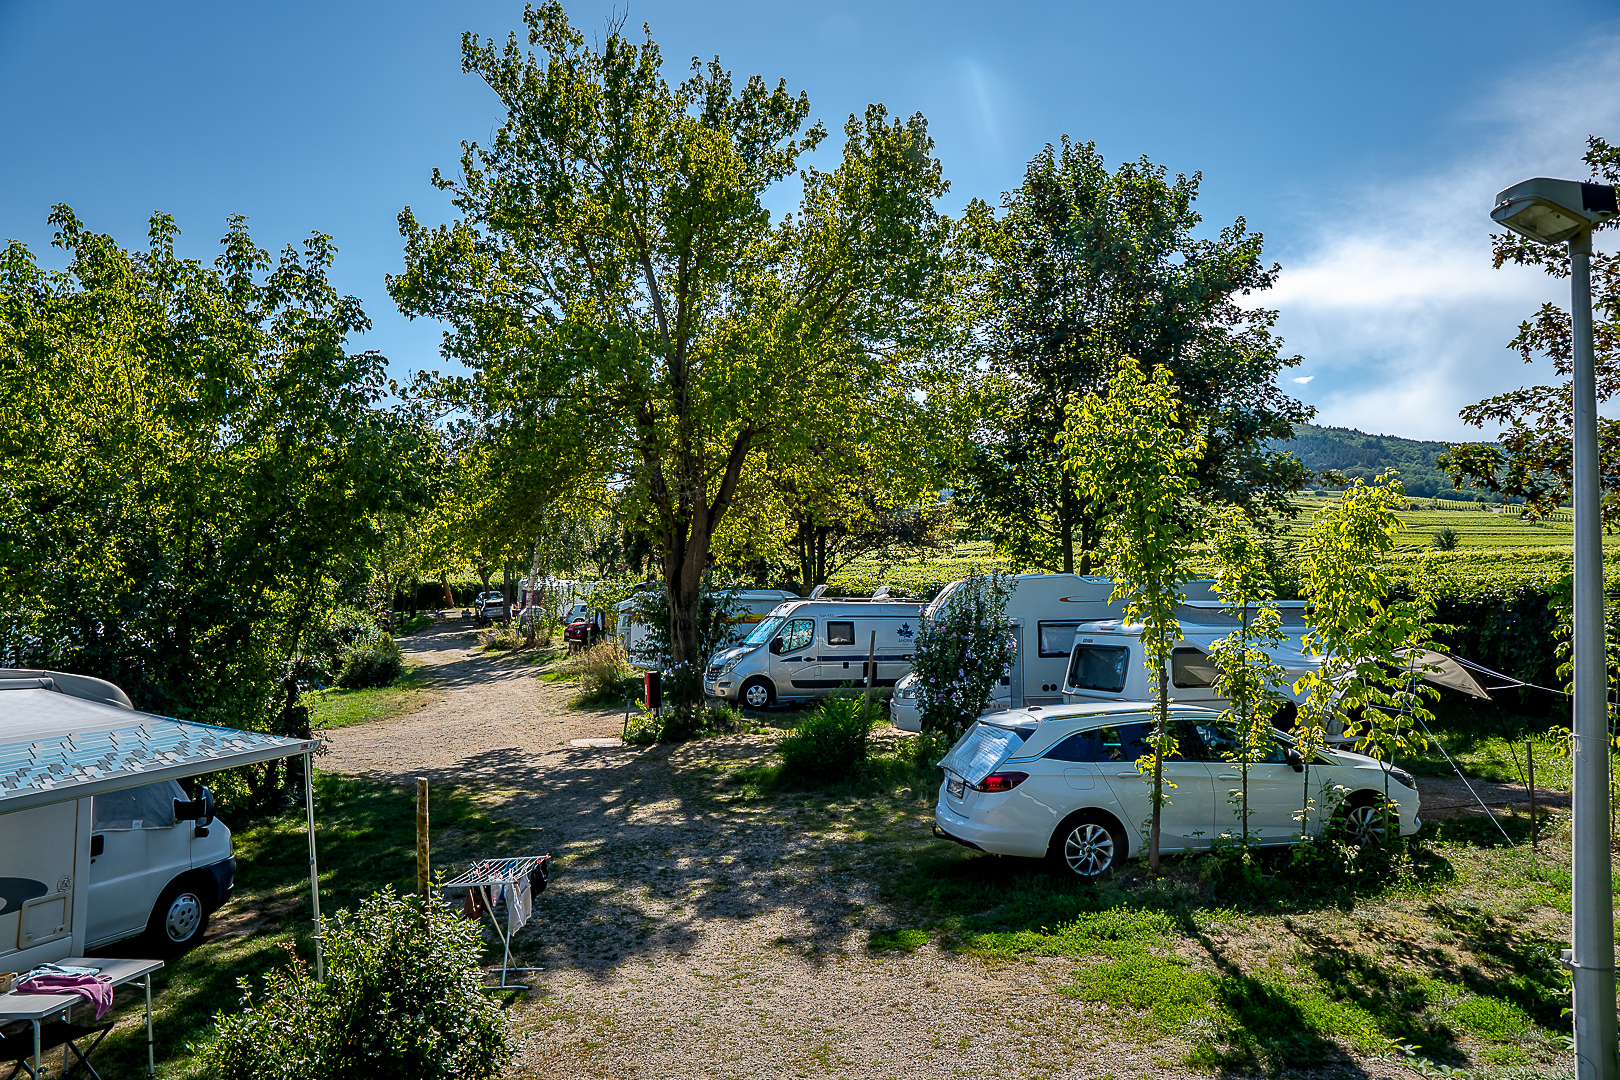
(224, 874)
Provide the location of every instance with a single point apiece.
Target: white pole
(314, 871)
(1592, 956)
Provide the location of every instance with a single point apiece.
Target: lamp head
(1551, 211)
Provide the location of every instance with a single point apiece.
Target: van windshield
(984, 746)
(762, 633)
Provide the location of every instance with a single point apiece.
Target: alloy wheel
(756, 695)
(1364, 825)
(1088, 850)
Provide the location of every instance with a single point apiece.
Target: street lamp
(1552, 212)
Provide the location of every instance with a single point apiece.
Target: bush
(376, 661)
(1447, 539)
(403, 998)
(501, 636)
(961, 653)
(682, 723)
(829, 743)
(604, 673)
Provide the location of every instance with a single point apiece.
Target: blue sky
(1366, 141)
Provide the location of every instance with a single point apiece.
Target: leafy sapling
(1246, 674)
(1130, 455)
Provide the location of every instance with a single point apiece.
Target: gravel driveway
(694, 932)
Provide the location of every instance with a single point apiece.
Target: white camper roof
(57, 746)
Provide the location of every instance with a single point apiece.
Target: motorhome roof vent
(27, 684)
(882, 593)
(818, 592)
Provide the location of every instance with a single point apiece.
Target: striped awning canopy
(56, 746)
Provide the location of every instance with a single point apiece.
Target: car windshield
(762, 633)
(984, 746)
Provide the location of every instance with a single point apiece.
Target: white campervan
(806, 649)
(752, 605)
(1043, 613)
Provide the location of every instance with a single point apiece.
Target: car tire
(757, 693)
(180, 917)
(1361, 820)
(1088, 845)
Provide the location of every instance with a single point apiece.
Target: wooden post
(1530, 761)
(423, 878)
(871, 674)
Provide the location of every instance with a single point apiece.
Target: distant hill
(1356, 453)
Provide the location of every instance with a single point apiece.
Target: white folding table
(37, 1008)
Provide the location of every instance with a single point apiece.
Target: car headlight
(729, 666)
(1401, 776)
(906, 691)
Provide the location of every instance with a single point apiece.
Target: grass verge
(335, 707)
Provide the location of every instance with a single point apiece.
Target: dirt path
(694, 933)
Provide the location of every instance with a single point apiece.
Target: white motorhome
(1109, 663)
(807, 649)
(752, 605)
(98, 841)
(1043, 613)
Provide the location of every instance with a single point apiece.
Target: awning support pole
(314, 871)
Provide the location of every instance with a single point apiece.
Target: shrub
(962, 653)
(501, 636)
(375, 661)
(829, 743)
(1447, 539)
(403, 998)
(681, 723)
(604, 673)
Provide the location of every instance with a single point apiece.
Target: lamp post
(1552, 212)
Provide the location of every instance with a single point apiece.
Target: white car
(1061, 783)
(905, 711)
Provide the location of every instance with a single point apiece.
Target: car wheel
(1362, 821)
(179, 918)
(757, 693)
(1088, 845)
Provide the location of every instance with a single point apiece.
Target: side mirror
(776, 646)
(200, 809)
(1296, 759)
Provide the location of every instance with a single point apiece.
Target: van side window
(1099, 667)
(840, 633)
(1191, 667)
(149, 807)
(798, 634)
(1056, 638)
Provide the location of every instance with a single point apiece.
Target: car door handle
(1229, 776)
(1132, 775)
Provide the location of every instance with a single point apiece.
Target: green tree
(1133, 459)
(1248, 678)
(1083, 266)
(192, 467)
(961, 654)
(1532, 457)
(631, 311)
(1368, 645)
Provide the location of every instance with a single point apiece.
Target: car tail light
(1001, 781)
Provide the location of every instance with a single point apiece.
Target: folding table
(37, 1008)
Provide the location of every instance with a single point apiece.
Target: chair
(18, 1048)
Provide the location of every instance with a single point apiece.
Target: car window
(797, 634)
(1099, 667)
(1221, 744)
(1191, 667)
(1124, 743)
(1056, 638)
(148, 807)
(840, 633)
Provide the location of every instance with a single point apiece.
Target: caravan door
(1013, 681)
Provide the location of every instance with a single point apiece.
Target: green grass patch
(410, 624)
(367, 839)
(1164, 987)
(334, 707)
(1490, 1018)
(901, 941)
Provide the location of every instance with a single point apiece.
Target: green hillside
(1356, 453)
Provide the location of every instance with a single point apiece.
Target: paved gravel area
(689, 933)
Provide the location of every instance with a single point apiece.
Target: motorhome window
(1191, 667)
(149, 807)
(840, 633)
(798, 634)
(1057, 638)
(1099, 667)
(762, 633)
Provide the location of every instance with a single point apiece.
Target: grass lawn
(334, 707)
(367, 840)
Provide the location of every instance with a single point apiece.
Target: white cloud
(1302, 380)
(1393, 301)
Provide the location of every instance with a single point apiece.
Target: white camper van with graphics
(752, 606)
(1043, 613)
(806, 649)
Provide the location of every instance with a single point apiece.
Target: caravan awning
(56, 747)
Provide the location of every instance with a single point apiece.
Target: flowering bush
(962, 654)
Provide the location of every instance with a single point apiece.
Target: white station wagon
(1061, 783)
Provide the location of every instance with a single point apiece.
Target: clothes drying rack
(485, 876)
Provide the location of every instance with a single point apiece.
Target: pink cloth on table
(97, 989)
